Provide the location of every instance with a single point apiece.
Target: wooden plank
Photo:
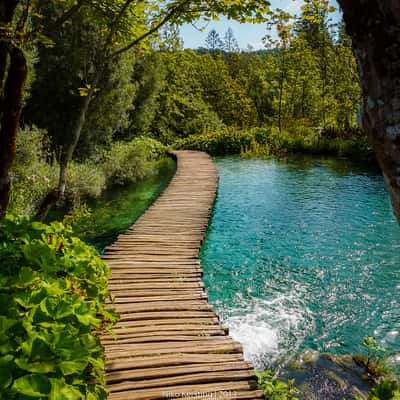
(173, 337)
(149, 373)
(166, 315)
(161, 292)
(176, 297)
(175, 360)
(128, 351)
(161, 328)
(206, 377)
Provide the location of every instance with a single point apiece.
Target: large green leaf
(86, 317)
(6, 371)
(5, 378)
(40, 367)
(6, 323)
(62, 391)
(33, 385)
(73, 367)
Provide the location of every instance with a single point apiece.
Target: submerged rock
(329, 377)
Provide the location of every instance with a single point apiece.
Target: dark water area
(119, 208)
(303, 253)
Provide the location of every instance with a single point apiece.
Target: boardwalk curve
(169, 343)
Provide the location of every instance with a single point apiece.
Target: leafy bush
(84, 180)
(228, 141)
(385, 390)
(266, 141)
(53, 289)
(32, 176)
(128, 162)
(274, 388)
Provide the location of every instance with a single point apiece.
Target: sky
(246, 34)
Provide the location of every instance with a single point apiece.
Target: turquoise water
(303, 253)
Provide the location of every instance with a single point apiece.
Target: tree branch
(24, 17)
(60, 21)
(154, 29)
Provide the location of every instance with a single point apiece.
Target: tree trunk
(57, 194)
(11, 111)
(3, 68)
(374, 26)
(7, 10)
(281, 85)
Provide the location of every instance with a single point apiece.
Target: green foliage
(64, 77)
(376, 363)
(228, 141)
(269, 141)
(84, 180)
(373, 349)
(128, 162)
(32, 175)
(385, 390)
(274, 388)
(53, 289)
(77, 216)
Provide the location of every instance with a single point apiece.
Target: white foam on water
(269, 330)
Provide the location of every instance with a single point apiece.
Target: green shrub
(53, 289)
(153, 149)
(84, 180)
(32, 176)
(261, 142)
(228, 141)
(385, 390)
(274, 388)
(128, 162)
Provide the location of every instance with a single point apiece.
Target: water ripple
(303, 253)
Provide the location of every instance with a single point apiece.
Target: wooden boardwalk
(169, 343)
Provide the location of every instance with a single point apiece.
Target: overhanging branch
(152, 30)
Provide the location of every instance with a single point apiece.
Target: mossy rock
(329, 377)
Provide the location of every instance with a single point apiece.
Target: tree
(126, 24)
(20, 29)
(230, 44)
(314, 25)
(281, 20)
(169, 39)
(214, 42)
(149, 76)
(374, 26)
(62, 74)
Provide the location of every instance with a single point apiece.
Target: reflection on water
(303, 253)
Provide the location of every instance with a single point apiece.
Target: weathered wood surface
(169, 342)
